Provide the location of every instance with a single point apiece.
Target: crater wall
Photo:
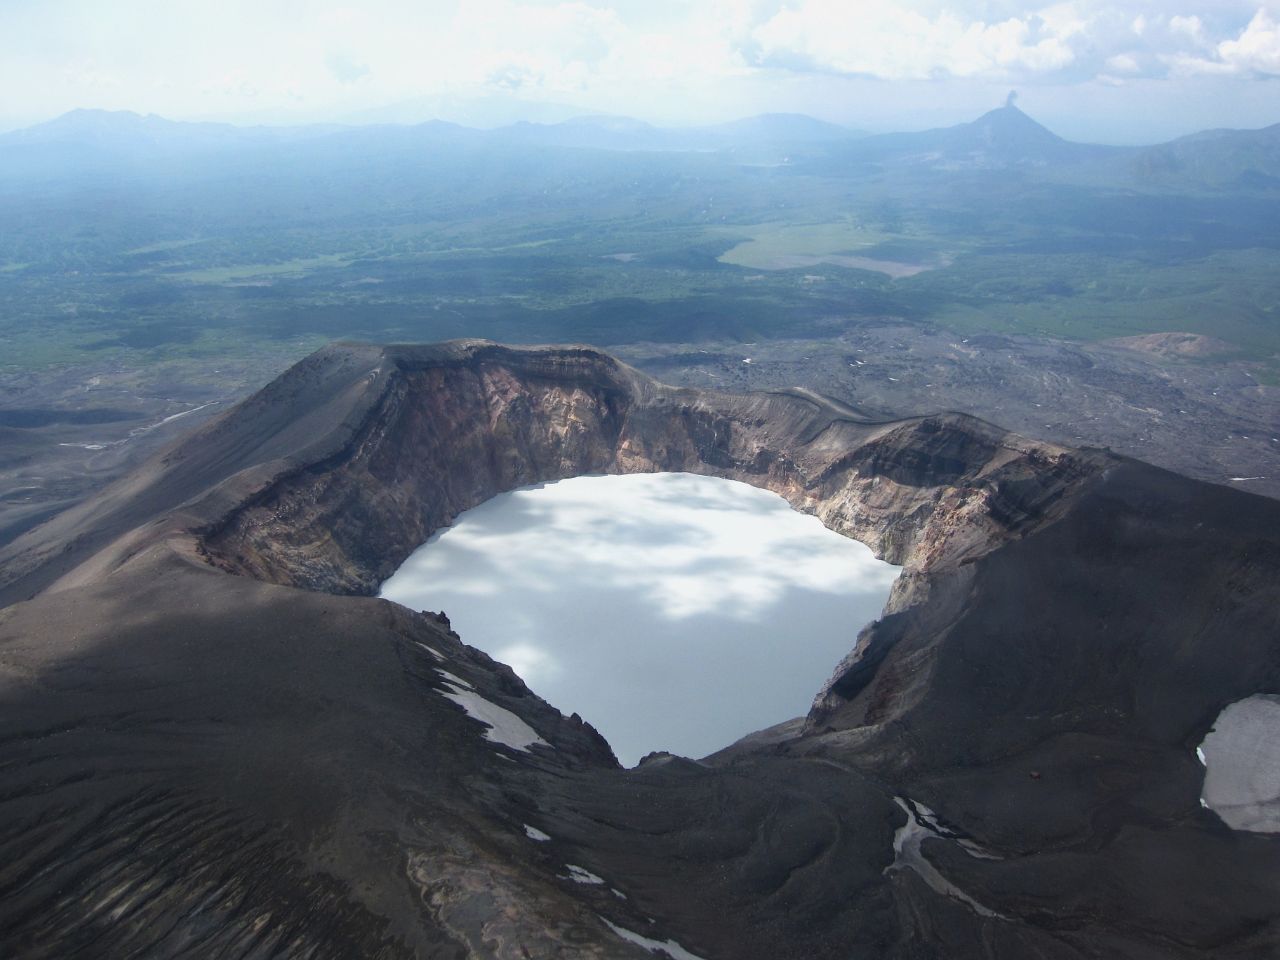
(447, 435)
(452, 428)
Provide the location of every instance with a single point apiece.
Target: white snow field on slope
(1241, 755)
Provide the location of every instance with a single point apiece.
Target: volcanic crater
(216, 742)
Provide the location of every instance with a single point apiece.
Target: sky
(1101, 70)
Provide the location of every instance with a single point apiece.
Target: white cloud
(894, 41)
(532, 663)
(1069, 41)
(1123, 63)
(1255, 52)
(653, 58)
(1187, 26)
(1064, 20)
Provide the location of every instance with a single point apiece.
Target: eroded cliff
(448, 432)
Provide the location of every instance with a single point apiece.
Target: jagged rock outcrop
(212, 743)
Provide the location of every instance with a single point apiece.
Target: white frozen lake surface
(671, 611)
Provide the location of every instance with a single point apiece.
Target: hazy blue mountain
(767, 138)
(602, 132)
(114, 129)
(1002, 138)
(481, 112)
(1247, 159)
(106, 127)
(783, 126)
(97, 141)
(92, 139)
(85, 141)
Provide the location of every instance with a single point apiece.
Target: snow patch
(533, 833)
(1241, 755)
(669, 947)
(431, 650)
(578, 875)
(921, 824)
(504, 726)
(456, 681)
(173, 417)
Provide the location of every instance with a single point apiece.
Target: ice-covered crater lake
(671, 611)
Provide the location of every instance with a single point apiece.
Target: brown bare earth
(1175, 345)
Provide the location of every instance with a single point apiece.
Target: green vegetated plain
(609, 247)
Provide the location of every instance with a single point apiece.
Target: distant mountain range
(484, 112)
(111, 129)
(769, 130)
(1003, 139)
(1000, 138)
(1219, 157)
(114, 128)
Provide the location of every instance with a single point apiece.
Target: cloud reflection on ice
(672, 611)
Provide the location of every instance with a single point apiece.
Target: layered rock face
(454, 426)
(214, 744)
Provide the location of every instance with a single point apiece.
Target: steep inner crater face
(672, 611)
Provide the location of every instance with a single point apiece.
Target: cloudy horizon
(1102, 70)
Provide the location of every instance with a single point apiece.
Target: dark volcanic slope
(212, 744)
